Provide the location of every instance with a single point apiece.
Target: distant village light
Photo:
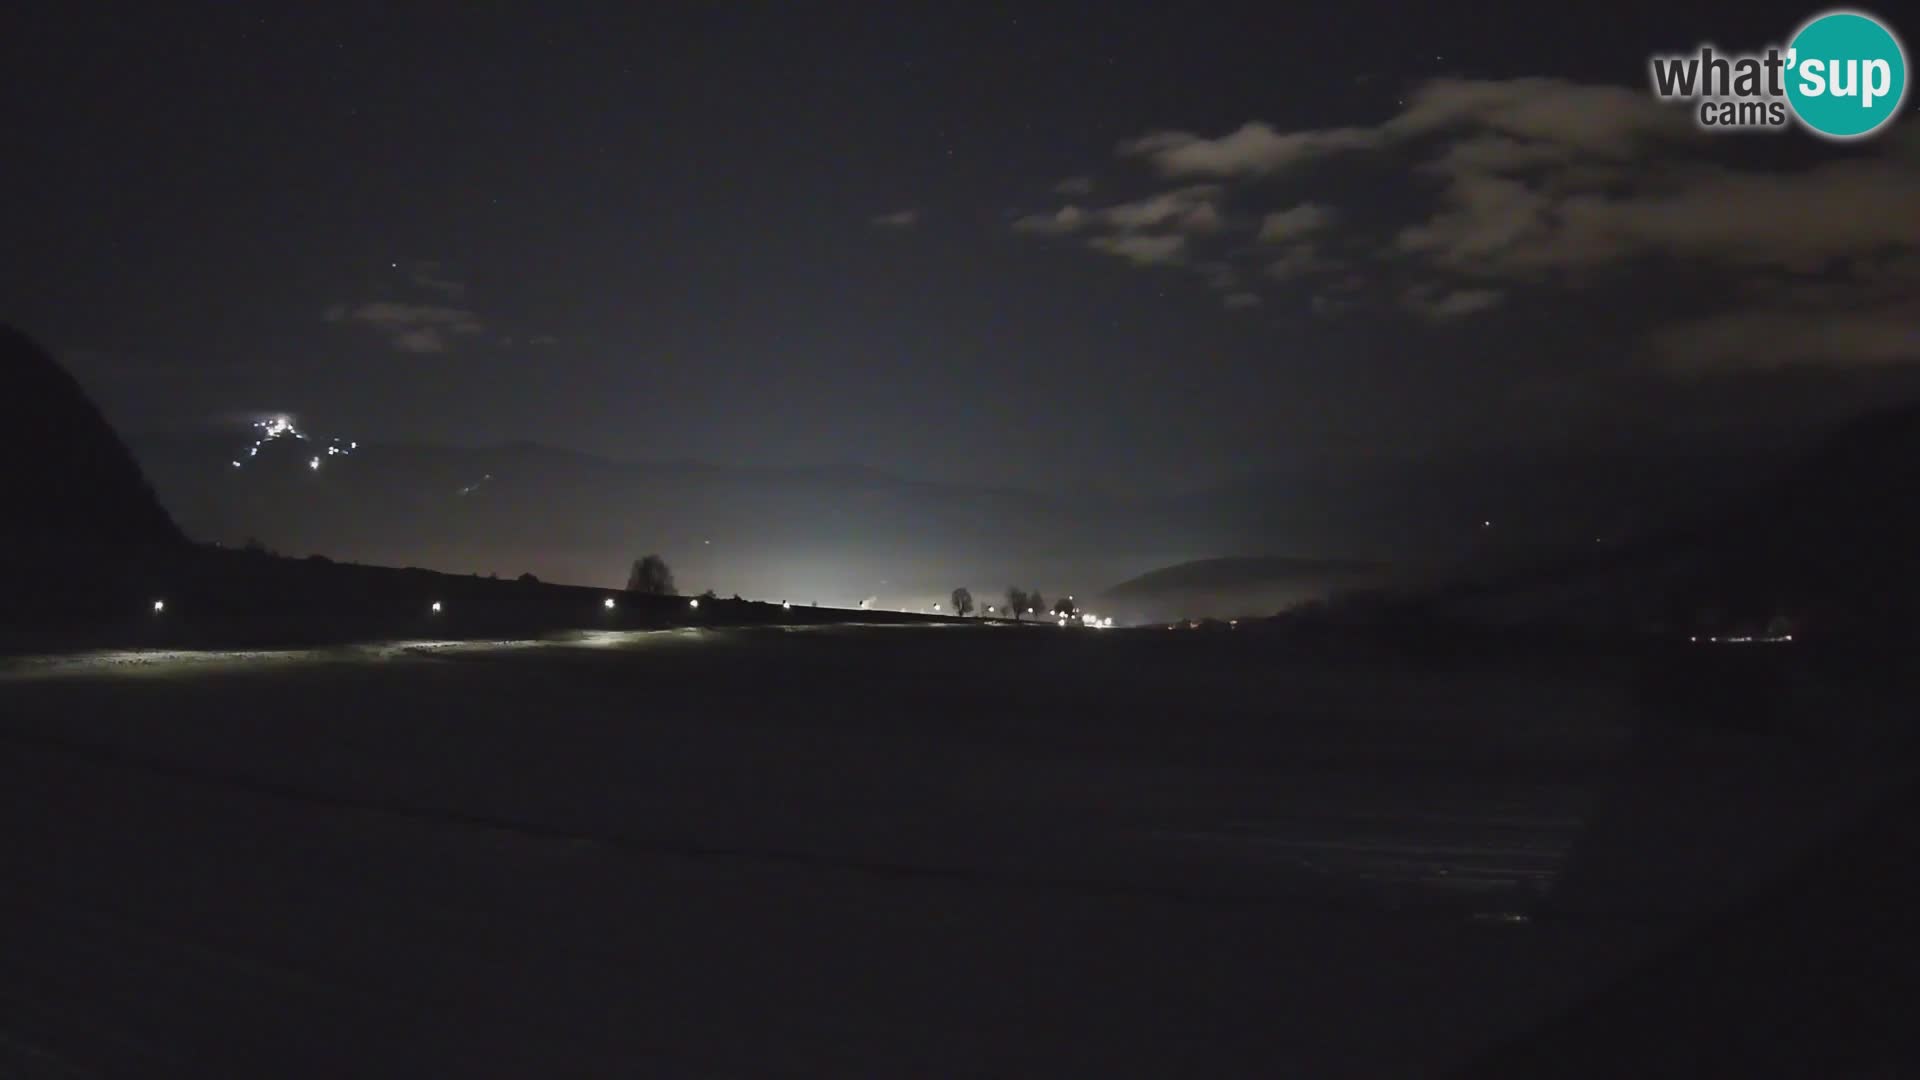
(435, 608)
(694, 603)
(159, 606)
(608, 603)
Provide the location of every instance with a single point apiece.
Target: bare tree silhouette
(651, 576)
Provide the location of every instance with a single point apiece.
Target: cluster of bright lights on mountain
(1745, 639)
(468, 489)
(281, 427)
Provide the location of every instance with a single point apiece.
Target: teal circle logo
(1846, 75)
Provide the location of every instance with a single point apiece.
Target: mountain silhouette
(70, 479)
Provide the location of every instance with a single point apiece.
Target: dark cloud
(1188, 209)
(1281, 226)
(1298, 261)
(1142, 249)
(1442, 305)
(411, 328)
(1064, 220)
(433, 277)
(1546, 183)
(1255, 149)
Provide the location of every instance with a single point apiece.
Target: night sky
(1135, 247)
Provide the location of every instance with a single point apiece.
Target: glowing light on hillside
(1748, 639)
(607, 603)
(282, 427)
(434, 607)
(694, 603)
(159, 606)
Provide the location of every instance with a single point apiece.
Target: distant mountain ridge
(1230, 571)
(1234, 586)
(845, 532)
(1827, 541)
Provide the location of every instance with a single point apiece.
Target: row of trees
(650, 576)
(1020, 603)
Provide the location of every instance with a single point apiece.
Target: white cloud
(1611, 120)
(1296, 261)
(1869, 317)
(1330, 305)
(898, 219)
(1064, 220)
(1220, 276)
(412, 328)
(1241, 300)
(1550, 183)
(1442, 306)
(1802, 221)
(1141, 249)
(1252, 150)
(1281, 226)
(1188, 209)
(1766, 338)
(432, 277)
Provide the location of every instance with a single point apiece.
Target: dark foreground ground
(897, 851)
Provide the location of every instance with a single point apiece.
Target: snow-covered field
(845, 851)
